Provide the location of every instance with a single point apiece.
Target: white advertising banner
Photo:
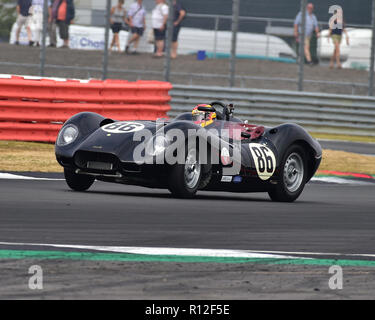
(83, 38)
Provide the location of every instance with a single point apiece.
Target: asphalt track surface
(328, 218)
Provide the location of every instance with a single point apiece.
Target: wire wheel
(192, 171)
(293, 172)
(292, 176)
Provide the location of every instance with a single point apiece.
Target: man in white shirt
(159, 24)
(36, 19)
(311, 26)
(137, 23)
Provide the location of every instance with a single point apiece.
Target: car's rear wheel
(78, 182)
(292, 177)
(184, 179)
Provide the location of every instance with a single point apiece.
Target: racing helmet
(201, 117)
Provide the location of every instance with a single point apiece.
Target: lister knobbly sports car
(214, 151)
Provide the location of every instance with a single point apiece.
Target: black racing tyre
(78, 182)
(293, 173)
(184, 179)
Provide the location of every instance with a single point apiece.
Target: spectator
(159, 24)
(179, 16)
(23, 19)
(36, 19)
(117, 18)
(311, 25)
(336, 33)
(52, 10)
(137, 23)
(62, 13)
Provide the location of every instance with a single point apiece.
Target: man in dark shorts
(179, 15)
(137, 23)
(159, 20)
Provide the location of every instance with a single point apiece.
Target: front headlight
(156, 145)
(67, 135)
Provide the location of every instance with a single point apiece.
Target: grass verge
(28, 156)
(347, 162)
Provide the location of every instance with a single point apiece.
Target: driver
(203, 118)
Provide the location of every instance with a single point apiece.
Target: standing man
(52, 14)
(311, 26)
(36, 20)
(159, 24)
(137, 23)
(23, 19)
(179, 16)
(62, 13)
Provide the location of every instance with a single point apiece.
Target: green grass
(126, 257)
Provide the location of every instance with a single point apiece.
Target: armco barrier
(33, 109)
(317, 112)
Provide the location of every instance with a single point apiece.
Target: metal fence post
(269, 24)
(217, 21)
(372, 56)
(302, 37)
(168, 42)
(235, 19)
(106, 40)
(44, 35)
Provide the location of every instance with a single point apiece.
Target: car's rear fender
(286, 135)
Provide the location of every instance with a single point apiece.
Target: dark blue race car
(214, 150)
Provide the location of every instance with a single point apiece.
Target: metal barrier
(326, 113)
(33, 109)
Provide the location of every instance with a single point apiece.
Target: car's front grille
(107, 166)
(96, 161)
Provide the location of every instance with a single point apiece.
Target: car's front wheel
(78, 182)
(292, 177)
(184, 179)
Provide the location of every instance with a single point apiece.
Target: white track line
(164, 251)
(9, 176)
(194, 252)
(337, 180)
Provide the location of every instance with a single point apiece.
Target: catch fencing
(256, 38)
